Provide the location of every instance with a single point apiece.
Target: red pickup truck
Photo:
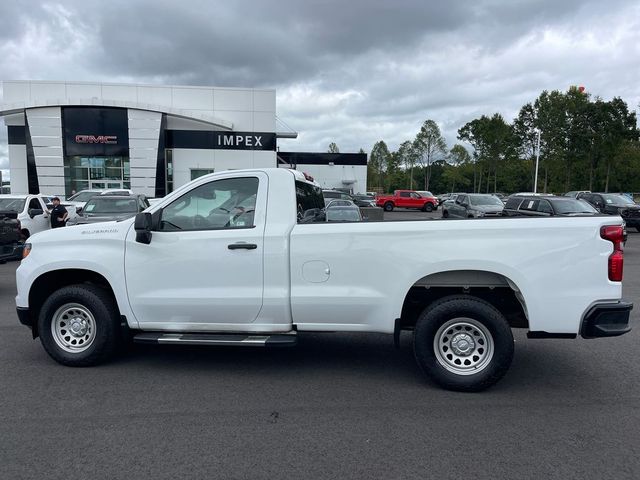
(407, 199)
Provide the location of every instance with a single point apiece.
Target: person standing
(59, 214)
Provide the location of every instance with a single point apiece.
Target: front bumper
(606, 320)
(11, 252)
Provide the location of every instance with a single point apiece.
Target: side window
(405, 194)
(415, 195)
(309, 200)
(545, 207)
(462, 199)
(530, 205)
(221, 204)
(34, 203)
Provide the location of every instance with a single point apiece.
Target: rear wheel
(388, 207)
(79, 325)
(463, 343)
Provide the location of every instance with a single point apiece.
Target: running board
(232, 339)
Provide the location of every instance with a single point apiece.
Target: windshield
(82, 196)
(111, 205)
(485, 200)
(15, 205)
(573, 206)
(612, 199)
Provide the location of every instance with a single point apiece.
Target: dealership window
(96, 173)
(199, 172)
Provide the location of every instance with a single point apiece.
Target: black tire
(488, 328)
(428, 207)
(388, 207)
(445, 213)
(638, 229)
(103, 311)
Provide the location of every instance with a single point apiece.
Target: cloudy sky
(351, 72)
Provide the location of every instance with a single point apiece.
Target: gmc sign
(104, 139)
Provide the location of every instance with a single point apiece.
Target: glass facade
(95, 173)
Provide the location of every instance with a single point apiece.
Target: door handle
(242, 245)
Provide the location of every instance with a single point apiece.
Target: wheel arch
(495, 288)
(47, 283)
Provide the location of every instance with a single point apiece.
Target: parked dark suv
(546, 206)
(615, 204)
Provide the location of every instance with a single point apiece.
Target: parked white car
(245, 257)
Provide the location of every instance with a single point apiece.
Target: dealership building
(70, 136)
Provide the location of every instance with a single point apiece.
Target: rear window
(308, 198)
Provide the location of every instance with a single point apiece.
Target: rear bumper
(606, 320)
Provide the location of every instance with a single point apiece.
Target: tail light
(615, 234)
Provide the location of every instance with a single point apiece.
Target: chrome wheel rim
(73, 328)
(463, 346)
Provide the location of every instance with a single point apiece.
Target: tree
(378, 164)
(493, 141)
(333, 148)
(408, 156)
(456, 170)
(429, 146)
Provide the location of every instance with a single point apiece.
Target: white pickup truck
(244, 257)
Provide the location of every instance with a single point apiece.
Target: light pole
(535, 180)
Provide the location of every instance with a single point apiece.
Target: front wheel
(445, 214)
(428, 207)
(79, 325)
(463, 343)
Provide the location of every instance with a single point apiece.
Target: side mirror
(143, 226)
(34, 212)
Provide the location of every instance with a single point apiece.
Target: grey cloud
(372, 69)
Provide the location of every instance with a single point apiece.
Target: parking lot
(336, 406)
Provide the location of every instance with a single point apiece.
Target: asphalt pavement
(336, 406)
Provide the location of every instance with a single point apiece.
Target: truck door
(416, 200)
(403, 200)
(203, 269)
(38, 223)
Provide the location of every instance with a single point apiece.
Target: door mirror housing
(143, 226)
(34, 212)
